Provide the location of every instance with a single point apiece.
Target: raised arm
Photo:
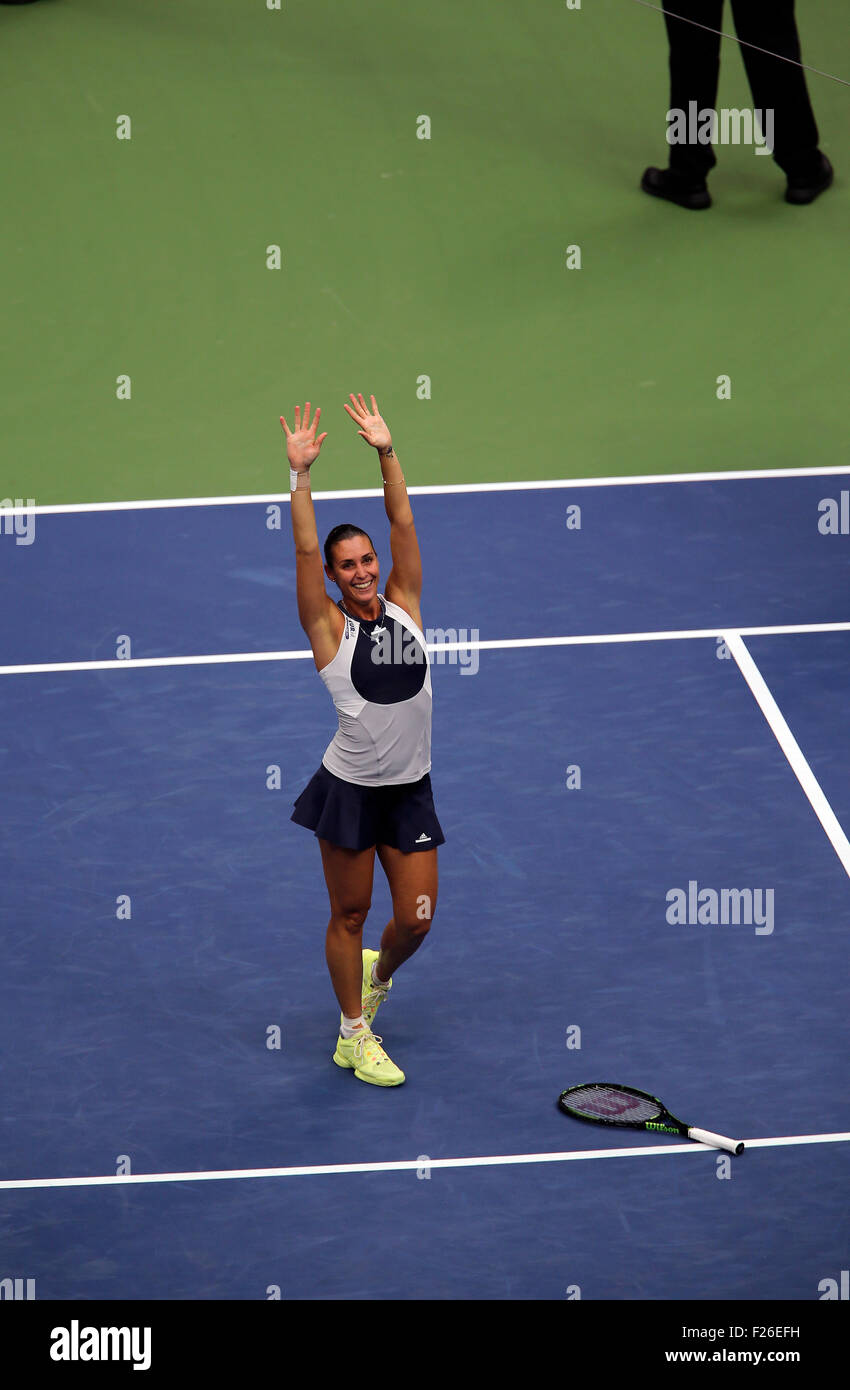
(404, 585)
(316, 610)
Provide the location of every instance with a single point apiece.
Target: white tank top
(380, 683)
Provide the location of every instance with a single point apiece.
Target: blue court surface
(162, 916)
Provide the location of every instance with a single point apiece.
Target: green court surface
(401, 258)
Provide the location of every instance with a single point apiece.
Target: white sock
(376, 979)
(350, 1026)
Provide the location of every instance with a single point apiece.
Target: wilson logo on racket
(608, 1103)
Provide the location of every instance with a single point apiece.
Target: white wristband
(293, 480)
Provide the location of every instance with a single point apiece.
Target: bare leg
(413, 884)
(348, 875)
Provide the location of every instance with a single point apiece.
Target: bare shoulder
(326, 634)
(406, 603)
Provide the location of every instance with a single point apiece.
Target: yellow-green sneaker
(364, 1053)
(373, 996)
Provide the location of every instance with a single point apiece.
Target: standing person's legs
(694, 73)
(413, 884)
(776, 85)
(349, 875)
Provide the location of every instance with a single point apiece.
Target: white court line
(411, 1164)
(220, 659)
(790, 748)
(428, 490)
(498, 644)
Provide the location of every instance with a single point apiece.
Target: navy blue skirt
(356, 817)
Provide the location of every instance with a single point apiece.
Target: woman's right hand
(302, 446)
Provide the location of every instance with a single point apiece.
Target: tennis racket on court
(605, 1103)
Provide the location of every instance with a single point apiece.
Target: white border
(429, 490)
(790, 748)
(411, 1164)
(496, 644)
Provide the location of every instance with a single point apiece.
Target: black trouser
(775, 85)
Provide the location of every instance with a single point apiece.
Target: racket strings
(609, 1103)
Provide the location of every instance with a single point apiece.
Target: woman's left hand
(372, 427)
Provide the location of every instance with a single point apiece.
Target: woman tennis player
(372, 793)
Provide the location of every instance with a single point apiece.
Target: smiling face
(355, 570)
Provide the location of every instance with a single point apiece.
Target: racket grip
(717, 1141)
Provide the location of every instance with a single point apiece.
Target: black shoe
(804, 188)
(666, 183)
